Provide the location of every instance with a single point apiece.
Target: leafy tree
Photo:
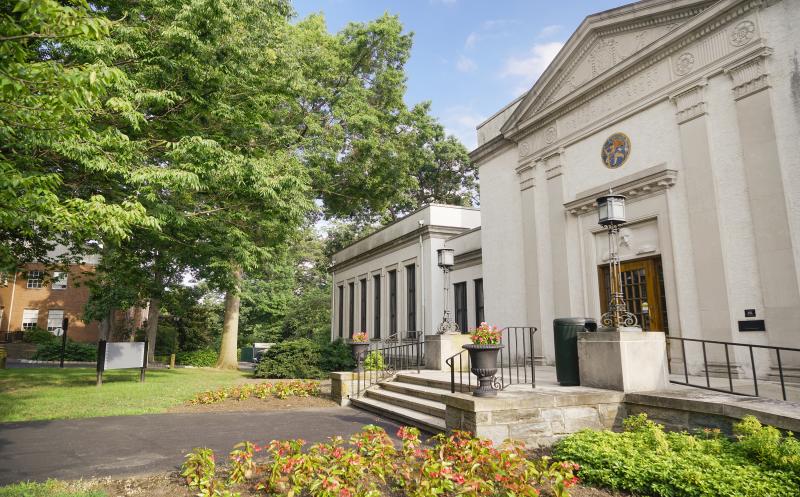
(58, 169)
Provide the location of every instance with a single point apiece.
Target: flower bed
(648, 461)
(369, 465)
(280, 390)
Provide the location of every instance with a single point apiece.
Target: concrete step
(425, 422)
(418, 391)
(422, 405)
(431, 382)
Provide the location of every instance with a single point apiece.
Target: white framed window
(54, 318)
(59, 280)
(35, 279)
(29, 319)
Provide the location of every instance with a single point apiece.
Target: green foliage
(336, 356)
(38, 335)
(56, 162)
(646, 460)
(374, 361)
(203, 358)
(74, 351)
(767, 445)
(291, 359)
(51, 488)
(282, 390)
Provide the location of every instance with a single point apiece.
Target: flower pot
(359, 350)
(483, 361)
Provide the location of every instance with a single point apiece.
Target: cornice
(492, 147)
(468, 259)
(690, 102)
(403, 241)
(639, 186)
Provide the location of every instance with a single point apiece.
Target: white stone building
(697, 106)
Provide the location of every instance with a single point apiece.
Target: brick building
(38, 298)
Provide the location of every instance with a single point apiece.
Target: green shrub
(74, 351)
(766, 445)
(374, 361)
(203, 358)
(646, 460)
(292, 359)
(336, 356)
(38, 335)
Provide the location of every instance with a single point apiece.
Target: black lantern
(611, 209)
(446, 258)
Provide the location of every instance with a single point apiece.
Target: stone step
(425, 422)
(418, 391)
(422, 405)
(431, 382)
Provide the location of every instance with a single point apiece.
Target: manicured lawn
(51, 393)
(50, 489)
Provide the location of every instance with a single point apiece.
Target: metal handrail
(727, 346)
(396, 353)
(509, 360)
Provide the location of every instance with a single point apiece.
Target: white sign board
(124, 355)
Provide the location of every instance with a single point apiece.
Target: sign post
(121, 355)
(64, 325)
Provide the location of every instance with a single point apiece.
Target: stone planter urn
(483, 360)
(359, 350)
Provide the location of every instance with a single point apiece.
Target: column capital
(526, 173)
(690, 102)
(750, 75)
(554, 164)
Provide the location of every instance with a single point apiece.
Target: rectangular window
(411, 297)
(460, 294)
(479, 317)
(35, 279)
(54, 319)
(351, 307)
(59, 280)
(341, 311)
(29, 318)
(376, 302)
(363, 286)
(392, 302)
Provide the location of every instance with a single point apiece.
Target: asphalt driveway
(131, 445)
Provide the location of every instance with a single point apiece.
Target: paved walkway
(130, 445)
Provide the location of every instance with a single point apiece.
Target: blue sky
(470, 57)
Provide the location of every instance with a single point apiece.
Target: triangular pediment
(601, 44)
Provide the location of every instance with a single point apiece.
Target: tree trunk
(230, 326)
(152, 327)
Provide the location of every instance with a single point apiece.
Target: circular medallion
(742, 33)
(616, 150)
(684, 64)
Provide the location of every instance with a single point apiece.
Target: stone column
(527, 181)
(704, 223)
(766, 198)
(558, 235)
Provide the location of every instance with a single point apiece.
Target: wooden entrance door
(642, 281)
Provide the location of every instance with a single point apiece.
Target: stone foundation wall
(536, 419)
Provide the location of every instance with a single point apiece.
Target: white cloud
(549, 31)
(492, 28)
(461, 122)
(528, 68)
(465, 64)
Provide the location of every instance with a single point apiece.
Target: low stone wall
(538, 419)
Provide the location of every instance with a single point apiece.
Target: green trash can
(565, 336)
(247, 354)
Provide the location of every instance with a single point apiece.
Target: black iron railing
(728, 368)
(14, 336)
(384, 358)
(516, 361)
